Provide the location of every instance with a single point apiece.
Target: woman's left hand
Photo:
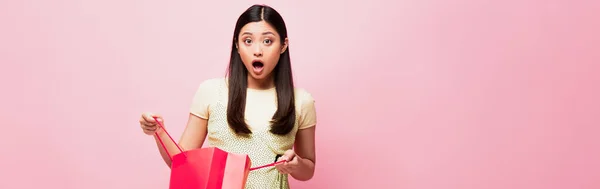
(292, 163)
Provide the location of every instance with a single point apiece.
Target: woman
(256, 109)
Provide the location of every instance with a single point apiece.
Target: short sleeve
(308, 114)
(202, 100)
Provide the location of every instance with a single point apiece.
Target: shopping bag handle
(179, 147)
(267, 165)
(163, 144)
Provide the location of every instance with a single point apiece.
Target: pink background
(463, 94)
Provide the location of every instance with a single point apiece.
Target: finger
(289, 168)
(282, 160)
(160, 121)
(283, 165)
(289, 155)
(278, 167)
(150, 122)
(283, 169)
(149, 130)
(156, 117)
(293, 161)
(144, 123)
(147, 125)
(148, 117)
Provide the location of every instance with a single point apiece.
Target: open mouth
(257, 64)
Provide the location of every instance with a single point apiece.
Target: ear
(236, 46)
(285, 45)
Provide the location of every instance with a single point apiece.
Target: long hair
(284, 118)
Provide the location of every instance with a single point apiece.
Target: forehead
(257, 28)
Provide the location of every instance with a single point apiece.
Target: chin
(259, 77)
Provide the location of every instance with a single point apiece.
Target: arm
(304, 146)
(196, 129)
(305, 151)
(193, 137)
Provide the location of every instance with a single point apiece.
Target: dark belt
(277, 157)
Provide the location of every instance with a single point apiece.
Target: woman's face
(259, 46)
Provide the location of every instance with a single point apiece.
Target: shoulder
(303, 97)
(209, 88)
(206, 95)
(305, 105)
(213, 83)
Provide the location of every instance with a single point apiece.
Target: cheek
(245, 55)
(273, 58)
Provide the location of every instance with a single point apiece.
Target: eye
(268, 41)
(247, 41)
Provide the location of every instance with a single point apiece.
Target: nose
(258, 51)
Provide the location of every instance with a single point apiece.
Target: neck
(266, 83)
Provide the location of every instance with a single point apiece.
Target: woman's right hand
(148, 124)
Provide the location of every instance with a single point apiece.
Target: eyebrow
(264, 33)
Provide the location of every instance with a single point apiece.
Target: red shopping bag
(208, 168)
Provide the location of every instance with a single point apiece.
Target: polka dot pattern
(261, 146)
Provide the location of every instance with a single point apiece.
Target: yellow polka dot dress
(263, 147)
